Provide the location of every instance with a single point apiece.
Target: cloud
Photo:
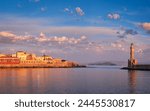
(43, 9)
(56, 42)
(123, 33)
(79, 11)
(145, 26)
(42, 38)
(119, 45)
(11, 37)
(131, 31)
(42, 35)
(69, 11)
(52, 26)
(141, 44)
(114, 16)
(66, 10)
(51, 44)
(62, 40)
(36, 25)
(78, 30)
(7, 34)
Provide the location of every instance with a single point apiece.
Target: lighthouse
(132, 61)
(131, 51)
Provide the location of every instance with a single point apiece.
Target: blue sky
(79, 30)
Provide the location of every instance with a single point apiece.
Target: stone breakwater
(145, 67)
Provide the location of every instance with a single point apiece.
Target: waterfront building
(24, 59)
(2, 55)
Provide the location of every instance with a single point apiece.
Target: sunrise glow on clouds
(88, 31)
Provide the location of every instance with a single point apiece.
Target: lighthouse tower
(132, 61)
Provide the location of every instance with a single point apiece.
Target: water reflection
(73, 81)
(21, 80)
(132, 81)
(35, 80)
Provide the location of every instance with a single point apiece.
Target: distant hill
(103, 63)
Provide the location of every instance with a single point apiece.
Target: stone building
(132, 61)
(24, 59)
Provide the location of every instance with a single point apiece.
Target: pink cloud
(146, 26)
(62, 39)
(7, 34)
(13, 37)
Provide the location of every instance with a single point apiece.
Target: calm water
(74, 80)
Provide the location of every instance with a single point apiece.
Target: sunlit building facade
(24, 59)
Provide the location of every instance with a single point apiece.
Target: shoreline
(82, 66)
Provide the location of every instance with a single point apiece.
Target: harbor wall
(142, 66)
(145, 67)
(52, 65)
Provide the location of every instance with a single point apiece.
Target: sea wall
(142, 66)
(48, 65)
(139, 67)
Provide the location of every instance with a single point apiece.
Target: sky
(84, 31)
